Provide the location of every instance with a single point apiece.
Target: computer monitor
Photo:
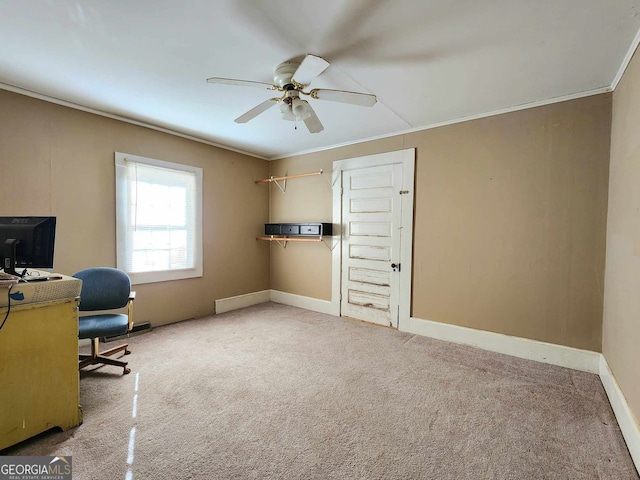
(27, 242)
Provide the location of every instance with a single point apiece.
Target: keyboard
(41, 278)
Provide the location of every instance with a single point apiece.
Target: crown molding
(626, 61)
(492, 113)
(514, 108)
(75, 106)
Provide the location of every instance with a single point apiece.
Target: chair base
(104, 358)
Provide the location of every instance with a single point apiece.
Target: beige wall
(509, 218)
(302, 268)
(60, 161)
(621, 329)
(510, 221)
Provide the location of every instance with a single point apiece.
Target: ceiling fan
(291, 78)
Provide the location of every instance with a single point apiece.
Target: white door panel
(361, 298)
(369, 229)
(377, 253)
(368, 275)
(370, 205)
(371, 180)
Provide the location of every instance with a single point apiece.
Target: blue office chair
(104, 288)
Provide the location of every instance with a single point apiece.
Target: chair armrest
(132, 297)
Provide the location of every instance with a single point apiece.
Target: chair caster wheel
(126, 371)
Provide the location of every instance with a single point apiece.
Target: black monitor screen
(27, 242)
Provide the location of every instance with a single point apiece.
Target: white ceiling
(429, 62)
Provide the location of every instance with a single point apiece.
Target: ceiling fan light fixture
(289, 116)
(300, 108)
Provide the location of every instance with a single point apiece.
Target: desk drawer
(288, 229)
(310, 230)
(272, 229)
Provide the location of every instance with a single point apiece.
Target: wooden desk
(39, 386)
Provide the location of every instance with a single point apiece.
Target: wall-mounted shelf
(283, 239)
(298, 229)
(283, 179)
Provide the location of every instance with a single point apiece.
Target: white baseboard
(308, 303)
(577, 359)
(241, 301)
(626, 419)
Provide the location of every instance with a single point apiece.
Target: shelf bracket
(283, 187)
(326, 178)
(332, 244)
(282, 243)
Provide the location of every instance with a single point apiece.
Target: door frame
(405, 157)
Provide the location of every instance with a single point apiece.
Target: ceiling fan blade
(312, 121)
(255, 111)
(354, 98)
(310, 68)
(242, 83)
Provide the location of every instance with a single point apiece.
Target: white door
(371, 241)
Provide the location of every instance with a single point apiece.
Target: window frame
(122, 212)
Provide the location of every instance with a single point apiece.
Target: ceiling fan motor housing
(283, 73)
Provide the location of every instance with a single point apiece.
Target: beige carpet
(276, 392)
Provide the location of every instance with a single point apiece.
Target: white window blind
(158, 219)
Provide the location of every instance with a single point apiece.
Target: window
(158, 219)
